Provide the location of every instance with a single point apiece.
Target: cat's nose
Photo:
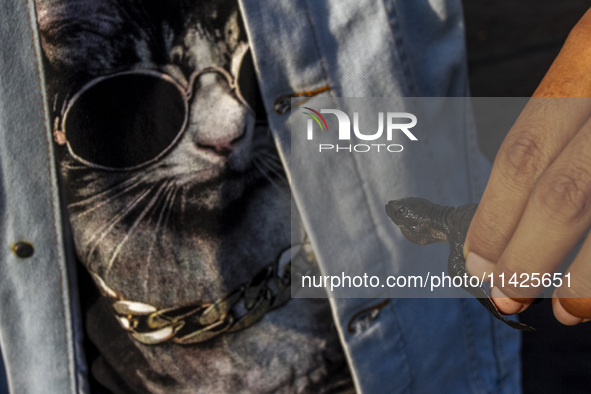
(218, 119)
(222, 145)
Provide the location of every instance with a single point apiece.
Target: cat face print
(168, 178)
(175, 193)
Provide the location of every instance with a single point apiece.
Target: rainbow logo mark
(315, 116)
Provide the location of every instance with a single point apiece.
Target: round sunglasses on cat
(127, 120)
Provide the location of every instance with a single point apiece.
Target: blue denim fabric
(37, 329)
(358, 49)
(385, 49)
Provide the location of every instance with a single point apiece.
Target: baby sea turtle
(424, 222)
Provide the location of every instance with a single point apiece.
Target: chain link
(269, 289)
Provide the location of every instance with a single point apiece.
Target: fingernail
(562, 315)
(506, 305)
(479, 266)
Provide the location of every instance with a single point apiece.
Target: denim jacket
(370, 48)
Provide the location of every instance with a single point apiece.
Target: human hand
(537, 204)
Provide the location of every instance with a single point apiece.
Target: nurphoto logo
(397, 124)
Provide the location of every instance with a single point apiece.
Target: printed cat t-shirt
(179, 207)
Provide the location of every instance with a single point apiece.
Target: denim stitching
(496, 343)
(403, 344)
(317, 47)
(399, 43)
(355, 163)
(475, 378)
(372, 217)
(71, 378)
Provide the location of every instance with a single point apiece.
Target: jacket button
(23, 249)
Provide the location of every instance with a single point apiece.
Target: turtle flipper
(482, 296)
(456, 266)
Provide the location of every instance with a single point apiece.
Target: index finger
(542, 130)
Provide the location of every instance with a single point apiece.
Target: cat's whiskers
(163, 217)
(136, 223)
(264, 170)
(272, 167)
(111, 193)
(104, 230)
(184, 190)
(270, 156)
(274, 162)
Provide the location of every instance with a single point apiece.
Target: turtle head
(413, 216)
(407, 211)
